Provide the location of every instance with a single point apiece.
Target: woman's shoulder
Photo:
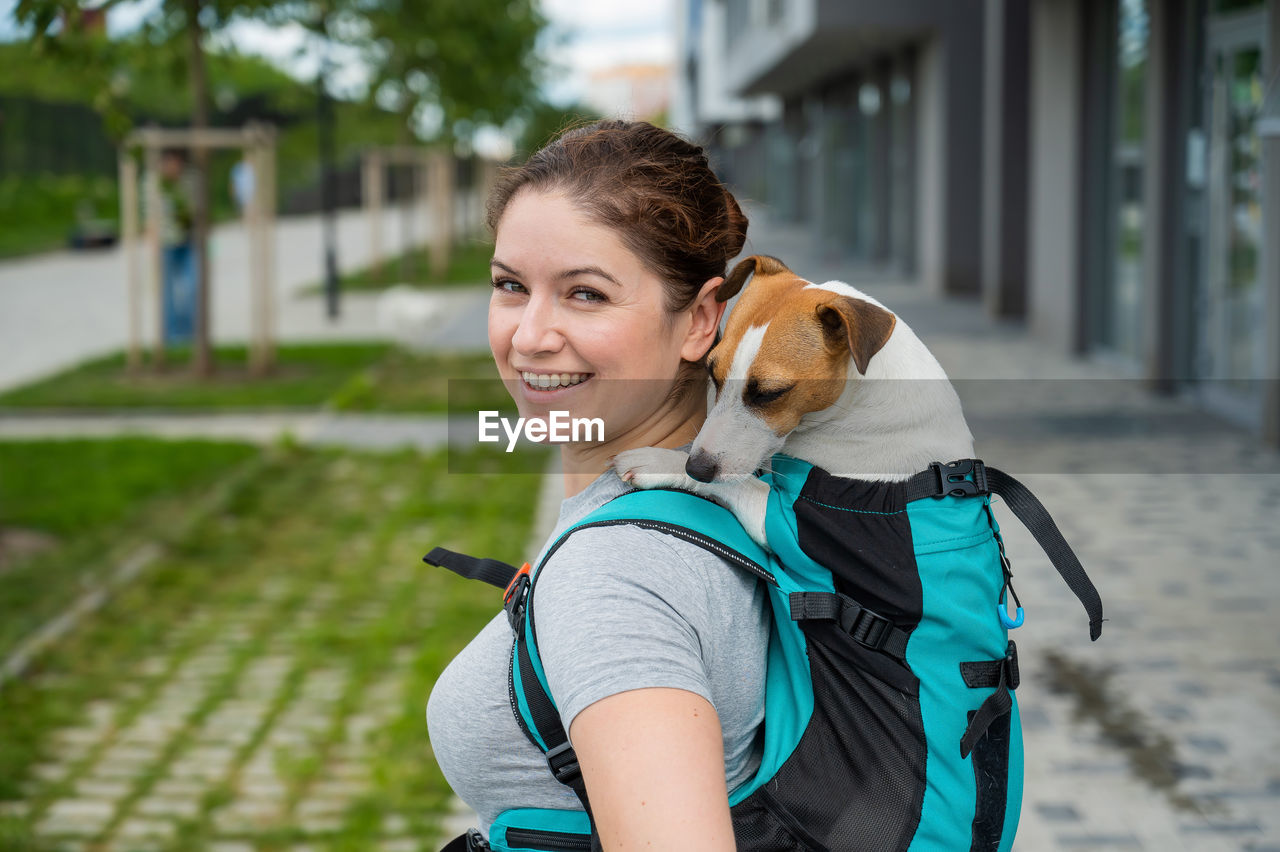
(623, 607)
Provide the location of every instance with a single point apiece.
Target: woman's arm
(653, 762)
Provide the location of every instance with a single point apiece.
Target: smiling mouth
(552, 381)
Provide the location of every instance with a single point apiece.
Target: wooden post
(267, 184)
(441, 194)
(253, 222)
(129, 240)
(371, 195)
(406, 220)
(154, 218)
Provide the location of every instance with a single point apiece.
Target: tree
(450, 66)
(446, 67)
(76, 33)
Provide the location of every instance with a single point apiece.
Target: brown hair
(654, 188)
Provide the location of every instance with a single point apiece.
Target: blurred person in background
(242, 186)
(177, 245)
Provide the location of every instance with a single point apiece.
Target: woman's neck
(671, 426)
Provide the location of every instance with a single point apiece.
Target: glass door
(1231, 345)
(1118, 83)
(1122, 330)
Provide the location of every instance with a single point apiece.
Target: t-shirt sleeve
(616, 609)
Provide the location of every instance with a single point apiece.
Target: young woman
(609, 246)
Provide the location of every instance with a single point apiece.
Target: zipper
(550, 841)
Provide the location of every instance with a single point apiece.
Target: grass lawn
(40, 211)
(278, 657)
(342, 376)
(468, 266)
(67, 508)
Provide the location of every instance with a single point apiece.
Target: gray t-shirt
(617, 608)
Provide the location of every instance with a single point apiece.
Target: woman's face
(577, 322)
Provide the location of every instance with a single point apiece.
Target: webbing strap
(866, 627)
(950, 479)
(1036, 518)
(1001, 674)
(492, 571)
(561, 758)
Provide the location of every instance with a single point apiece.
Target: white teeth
(553, 380)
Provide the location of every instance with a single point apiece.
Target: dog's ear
(761, 264)
(864, 327)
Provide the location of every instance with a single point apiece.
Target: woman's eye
(508, 285)
(587, 295)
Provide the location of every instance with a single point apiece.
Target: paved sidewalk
(354, 431)
(61, 308)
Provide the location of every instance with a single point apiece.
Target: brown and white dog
(821, 372)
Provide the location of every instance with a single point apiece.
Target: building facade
(1107, 171)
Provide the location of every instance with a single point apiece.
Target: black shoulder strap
(561, 759)
(954, 479)
(492, 571)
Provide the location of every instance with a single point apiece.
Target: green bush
(40, 211)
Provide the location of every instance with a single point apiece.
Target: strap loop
(1001, 674)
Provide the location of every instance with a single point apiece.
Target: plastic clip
(1002, 609)
(1010, 623)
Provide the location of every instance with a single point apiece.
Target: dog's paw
(652, 467)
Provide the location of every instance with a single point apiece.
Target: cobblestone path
(283, 709)
(1165, 734)
(210, 726)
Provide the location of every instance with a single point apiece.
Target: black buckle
(951, 478)
(514, 601)
(867, 628)
(564, 764)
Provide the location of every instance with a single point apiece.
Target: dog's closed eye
(757, 396)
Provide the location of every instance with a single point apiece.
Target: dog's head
(787, 350)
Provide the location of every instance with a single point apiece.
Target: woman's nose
(537, 331)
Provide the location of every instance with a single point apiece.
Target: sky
(597, 34)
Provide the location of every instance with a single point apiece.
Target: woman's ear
(705, 314)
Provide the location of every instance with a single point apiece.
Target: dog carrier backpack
(890, 717)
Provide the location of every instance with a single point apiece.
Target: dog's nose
(702, 467)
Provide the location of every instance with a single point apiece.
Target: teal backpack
(890, 719)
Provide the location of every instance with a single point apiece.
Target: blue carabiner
(1010, 623)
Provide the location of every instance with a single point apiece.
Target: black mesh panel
(755, 827)
(856, 780)
(859, 531)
